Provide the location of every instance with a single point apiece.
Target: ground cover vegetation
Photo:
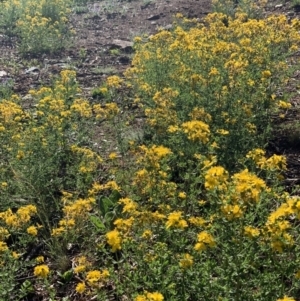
(192, 207)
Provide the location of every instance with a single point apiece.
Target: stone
(123, 45)
(153, 17)
(32, 70)
(3, 73)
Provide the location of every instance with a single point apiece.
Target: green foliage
(193, 209)
(206, 100)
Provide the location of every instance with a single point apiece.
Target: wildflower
(3, 246)
(276, 162)
(286, 298)
(173, 129)
(147, 234)
(80, 288)
(4, 233)
(93, 276)
(137, 39)
(79, 269)
(103, 90)
(41, 271)
(150, 297)
(248, 185)
(16, 255)
(222, 132)
(114, 81)
(196, 130)
(40, 259)
(205, 240)
(4, 184)
(232, 211)
(283, 104)
(124, 224)
(213, 71)
(129, 205)
(256, 154)
(32, 230)
(175, 220)
(197, 221)
(112, 156)
(140, 298)
(251, 231)
(155, 296)
(266, 74)
(114, 240)
(186, 262)
(182, 195)
(215, 177)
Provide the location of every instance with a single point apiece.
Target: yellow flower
(283, 104)
(114, 81)
(113, 156)
(215, 177)
(197, 221)
(182, 195)
(155, 296)
(79, 269)
(16, 255)
(32, 230)
(286, 298)
(147, 234)
(205, 240)
(251, 231)
(196, 130)
(186, 262)
(114, 240)
(175, 220)
(266, 74)
(93, 276)
(4, 233)
(3, 246)
(129, 205)
(80, 288)
(222, 132)
(232, 211)
(41, 271)
(40, 259)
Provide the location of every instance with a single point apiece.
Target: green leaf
(97, 222)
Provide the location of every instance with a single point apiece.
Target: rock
(168, 27)
(153, 23)
(3, 73)
(33, 70)
(153, 17)
(123, 45)
(27, 97)
(124, 60)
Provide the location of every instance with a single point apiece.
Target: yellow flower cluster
(40, 25)
(156, 296)
(74, 213)
(41, 271)
(204, 240)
